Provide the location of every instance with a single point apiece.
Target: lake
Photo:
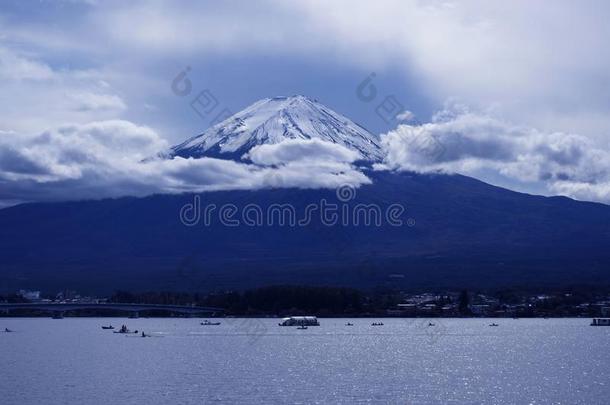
(255, 361)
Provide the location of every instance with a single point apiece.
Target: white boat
(600, 322)
(300, 321)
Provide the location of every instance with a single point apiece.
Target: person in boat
(7, 330)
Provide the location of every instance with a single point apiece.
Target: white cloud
(535, 63)
(583, 191)
(485, 53)
(552, 73)
(96, 101)
(108, 159)
(301, 150)
(405, 116)
(71, 151)
(36, 96)
(540, 65)
(485, 147)
(18, 67)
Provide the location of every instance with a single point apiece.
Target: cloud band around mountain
(501, 153)
(108, 159)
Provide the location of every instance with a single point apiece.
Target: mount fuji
(460, 232)
(273, 120)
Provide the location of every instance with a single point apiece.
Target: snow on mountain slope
(273, 120)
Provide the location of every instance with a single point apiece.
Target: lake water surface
(254, 361)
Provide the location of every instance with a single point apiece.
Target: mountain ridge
(272, 120)
(460, 232)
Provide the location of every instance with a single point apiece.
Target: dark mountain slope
(464, 233)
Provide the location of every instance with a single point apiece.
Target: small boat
(431, 324)
(208, 323)
(493, 324)
(600, 322)
(107, 327)
(302, 327)
(124, 330)
(349, 324)
(7, 330)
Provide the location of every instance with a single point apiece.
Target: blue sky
(526, 84)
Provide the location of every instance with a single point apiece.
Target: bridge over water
(58, 309)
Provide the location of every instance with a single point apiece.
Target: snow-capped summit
(272, 120)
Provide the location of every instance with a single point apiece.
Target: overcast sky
(517, 92)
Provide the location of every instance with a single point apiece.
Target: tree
(464, 302)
